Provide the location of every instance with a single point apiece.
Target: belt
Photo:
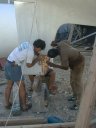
(10, 62)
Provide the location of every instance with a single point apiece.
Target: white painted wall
(50, 15)
(8, 30)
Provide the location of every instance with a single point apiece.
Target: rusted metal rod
(74, 42)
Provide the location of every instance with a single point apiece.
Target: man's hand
(53, 44)
(49, 63)
(64, 68)
(52, 64)
(56, 66)
(35, 60)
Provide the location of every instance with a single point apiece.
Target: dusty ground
(58, 104)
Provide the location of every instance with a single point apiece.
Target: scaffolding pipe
(74, 42)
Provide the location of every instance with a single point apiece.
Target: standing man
(24, 52)
(70, 58)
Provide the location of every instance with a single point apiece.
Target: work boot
(72, 98)
(74, 107)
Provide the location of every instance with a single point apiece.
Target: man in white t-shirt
(24, 52)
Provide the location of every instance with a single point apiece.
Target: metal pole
(74, 42)
(71, 32)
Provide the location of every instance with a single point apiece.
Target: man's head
(39, 45)
(52, 53)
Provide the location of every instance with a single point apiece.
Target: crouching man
(73, 59)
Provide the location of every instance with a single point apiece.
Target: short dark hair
(39, 44)
(52, 53)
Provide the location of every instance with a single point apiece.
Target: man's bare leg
(31, 77)
(52, 85)
(8, 93)
(22, 94)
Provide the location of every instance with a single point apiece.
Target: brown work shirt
(70, 57)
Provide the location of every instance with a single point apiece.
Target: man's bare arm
(33, 62)
(57, 66)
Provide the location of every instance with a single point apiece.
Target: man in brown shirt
(70, 58)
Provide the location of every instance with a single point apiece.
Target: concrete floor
(58, 104)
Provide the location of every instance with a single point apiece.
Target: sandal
(46, 103)
(29, 105)
(8, 106)
(26, 108)
(28, 102)
(53, 90)
(30, 89)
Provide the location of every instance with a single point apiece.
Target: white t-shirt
(24, 52)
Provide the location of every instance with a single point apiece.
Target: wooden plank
(55, 125)
(22, 121)
(89, 95)
(30, 125)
